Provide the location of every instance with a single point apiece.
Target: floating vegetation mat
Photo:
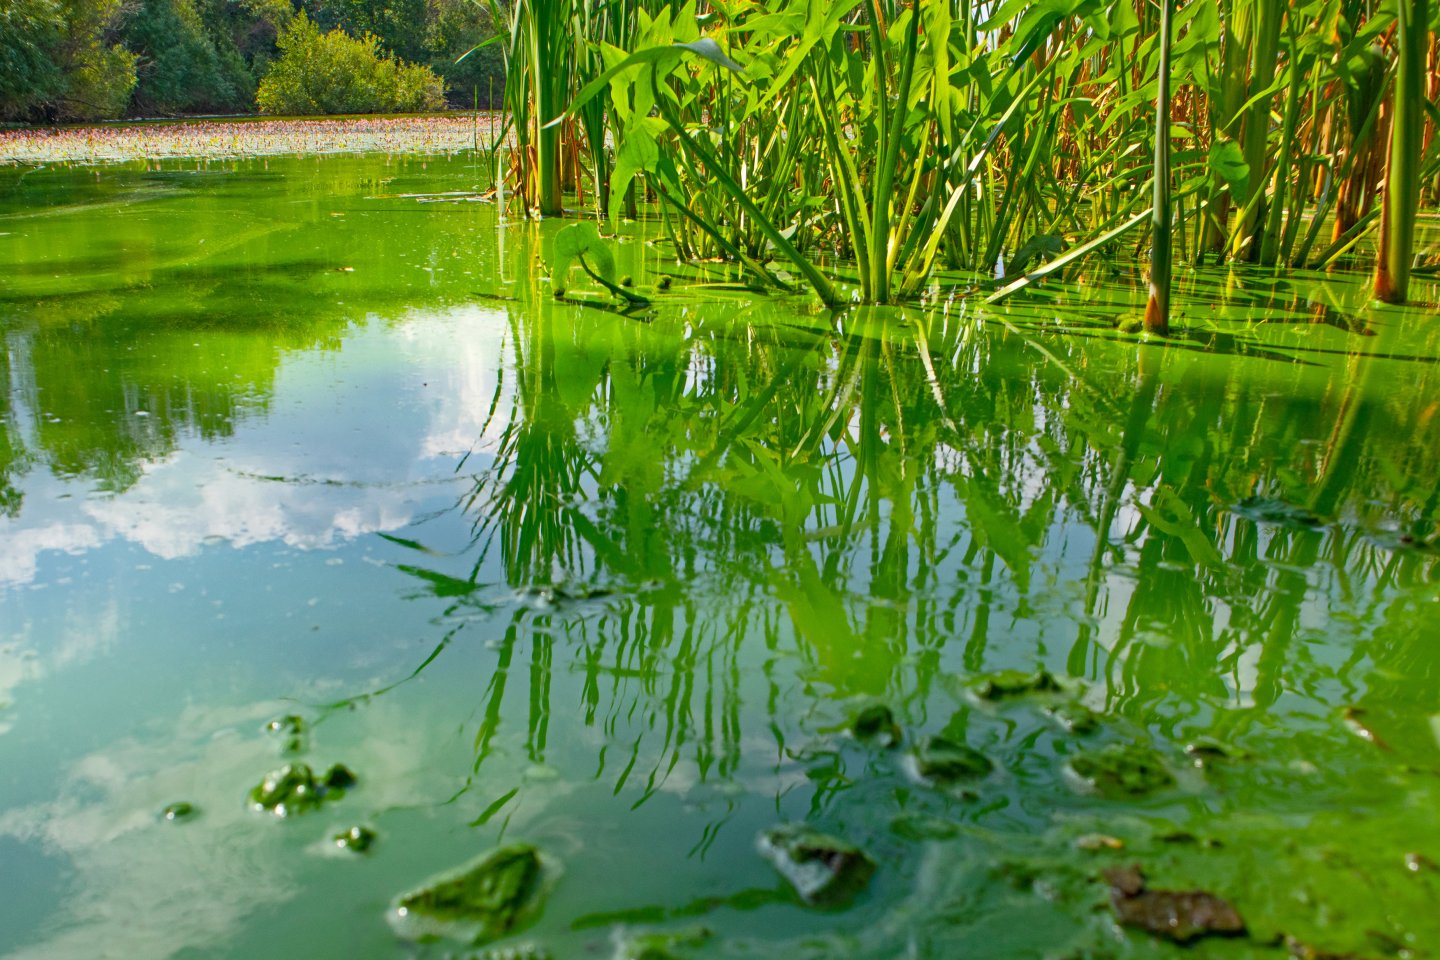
(227, 139)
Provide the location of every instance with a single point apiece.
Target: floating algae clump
(661, 945)
(1121, 770)
(358, 839)
(876, 724)
(294, 788)
(945, 762)
(1178, 915)
(480, 902)
(824, 870)
(1016, 683)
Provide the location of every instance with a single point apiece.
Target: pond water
(301, 443)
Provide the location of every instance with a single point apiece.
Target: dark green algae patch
(1121, 771)
(489, 898)
(822, 869)
(295, 789)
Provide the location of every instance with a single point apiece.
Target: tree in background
(436, 33)
(61, 60)
(397, 25)
(333, 72)
(453, 32)
(29, 33)
(187, 62)
(104, 59)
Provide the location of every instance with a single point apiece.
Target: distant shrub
(334, 72)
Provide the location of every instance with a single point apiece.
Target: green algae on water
(1121, 770)
(482, 901)
(294, 789)
(823, 870)
(357, 838)
(943, 762)
(659, 944)
(180, 810)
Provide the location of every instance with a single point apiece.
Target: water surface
(300, 437)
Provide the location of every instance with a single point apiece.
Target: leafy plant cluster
(336, 73)
(68, 60)
(899, 139)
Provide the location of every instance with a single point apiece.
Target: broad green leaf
(710, 50)
(582, 240)
(638, 152)
(1227, 165)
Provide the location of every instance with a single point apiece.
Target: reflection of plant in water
(886, 507)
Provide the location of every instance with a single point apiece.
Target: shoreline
(237, 138)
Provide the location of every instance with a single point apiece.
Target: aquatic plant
(233, 140)
(1407, 141)
(1157, 307)
(865, 148)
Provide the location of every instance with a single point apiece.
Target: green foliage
(30, 31)
(436, 33)
(184, 65)
(102, 59)
(100, 73)
(332, 72)
(397, 25)
(57, 60)
(905, 138)
(456, 49)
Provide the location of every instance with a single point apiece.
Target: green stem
(1402, 178)
(1157, 309)
(885, 176)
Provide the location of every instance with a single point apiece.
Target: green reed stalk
(1226, 119)
(1157, 308)
(1263, 17)
(1280, 191)
(1402, 178)
(548, 76)
(879, 265)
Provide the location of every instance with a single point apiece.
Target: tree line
(72, 60)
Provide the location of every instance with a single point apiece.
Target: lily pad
(824, 870)
(1181, 916)
(942, 761)
(1121, 770)
(480, 902)
(1208, 750)
(1073, 718)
